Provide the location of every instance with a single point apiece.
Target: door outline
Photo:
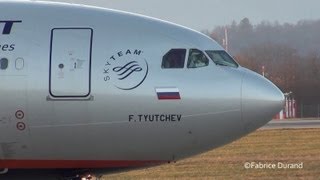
(90, 59)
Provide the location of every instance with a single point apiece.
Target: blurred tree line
(290, 53)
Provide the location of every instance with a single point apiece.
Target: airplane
(86, 89)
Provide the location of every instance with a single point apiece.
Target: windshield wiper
(221, 64)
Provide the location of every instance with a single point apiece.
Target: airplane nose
(261, 100)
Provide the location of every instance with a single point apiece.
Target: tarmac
(292, 124)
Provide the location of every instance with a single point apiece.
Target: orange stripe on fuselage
(57, 164)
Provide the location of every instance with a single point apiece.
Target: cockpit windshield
(222, 58)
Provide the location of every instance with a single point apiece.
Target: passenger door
(70, 62)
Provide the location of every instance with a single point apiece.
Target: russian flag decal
(169, 93)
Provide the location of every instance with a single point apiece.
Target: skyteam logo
(126, 70)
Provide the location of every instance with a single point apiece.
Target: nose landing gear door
(70, 63)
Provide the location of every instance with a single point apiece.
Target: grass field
(264, 146)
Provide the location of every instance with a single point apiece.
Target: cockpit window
(197, 59)
(221, 57)
(174, 59)
(4, 63)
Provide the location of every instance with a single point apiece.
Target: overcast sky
(206, 14)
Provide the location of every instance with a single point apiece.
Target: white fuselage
(85, 88)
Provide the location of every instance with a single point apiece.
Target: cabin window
(222, 58)
(174, 59)
(4, 63)
(197, 59)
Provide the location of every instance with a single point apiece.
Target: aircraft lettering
(155, 118)
(137, 52)
(7, 47)
(106, 78)
(106, 72)
(112, 57)
(127, 52)
(8, 26)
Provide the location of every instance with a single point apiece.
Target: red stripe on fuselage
(57, 164)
